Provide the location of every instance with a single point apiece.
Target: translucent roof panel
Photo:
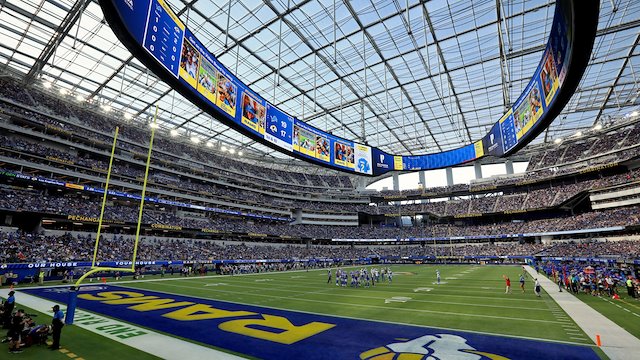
(411, 77)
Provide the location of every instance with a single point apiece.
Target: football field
(285, 314)
(469, 298)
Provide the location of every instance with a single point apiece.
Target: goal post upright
(144, 190)
(104, 198)
(73, 294)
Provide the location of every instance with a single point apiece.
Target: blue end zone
(277, 334)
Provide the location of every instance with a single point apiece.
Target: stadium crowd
(597, 279)
(76, 119)
(16, 247)
(546, 196)
(52, 203)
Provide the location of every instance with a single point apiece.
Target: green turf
(474, 301)
(471, 298)
(83, 343)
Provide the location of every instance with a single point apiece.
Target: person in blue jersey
(249, 111)
(8, 307)
(225, 99)
(37, 335)
(192, 66)
(56, 324)
(367, 279)
(560, 282)
(548, 84)
(340, 152)
(229, 99)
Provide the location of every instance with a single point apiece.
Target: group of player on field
(360, 278)
(536, 286)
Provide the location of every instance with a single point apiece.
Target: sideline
(618, 343)
(134, 336)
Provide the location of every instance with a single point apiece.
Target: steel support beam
(60, 33)
(446, 70)
(617, 78)
(504, 65)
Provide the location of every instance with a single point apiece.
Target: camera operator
(9, 305)
(15, 331)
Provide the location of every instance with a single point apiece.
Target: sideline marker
(598, 342)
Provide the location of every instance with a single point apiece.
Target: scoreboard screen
(163, 36)
(161, 41)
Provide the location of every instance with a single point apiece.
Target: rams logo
(429, 347)
(273, 128)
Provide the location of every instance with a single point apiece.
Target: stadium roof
(447, 69)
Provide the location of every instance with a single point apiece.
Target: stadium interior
(409, 79)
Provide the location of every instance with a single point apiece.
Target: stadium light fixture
(635, 113)
(579, 133)
(63, 91)
(128, 116)
(232, 151)
(79, 98)
(195, 140)
(209, 144)
(223, 148)
(153, 126)
(47, 85)
(597, 127)
(240, 153)
(174, 132)
(557, 141)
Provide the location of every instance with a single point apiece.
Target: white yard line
(254, 289)
(383, 321)
(144, 340)
(370, 306)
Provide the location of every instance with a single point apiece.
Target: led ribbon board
(157, 37)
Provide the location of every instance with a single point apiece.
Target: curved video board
(160, 40)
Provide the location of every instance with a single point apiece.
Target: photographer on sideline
(9, 305)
